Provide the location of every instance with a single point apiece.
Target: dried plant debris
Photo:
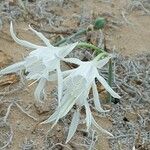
(82, 140)
(143, 5)
(6, 134)
(11, 83)
(47, 12)
(5, 59)
(9, 79)
(131, 117)
(28, 144)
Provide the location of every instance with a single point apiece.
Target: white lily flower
(77, 84)
(42, 63)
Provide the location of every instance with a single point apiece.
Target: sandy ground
(127, 33)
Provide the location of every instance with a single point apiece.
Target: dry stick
(140, 4)
(28, 144)
(122, 136)
(11, 131)
(10, 139)
(60, 145)
(1, 98)
(21, 4)
(85, 141)
(119, 145)
(92, 141)
(83, 145)
(54, 30)
(8, 111)
(124, 17)
(25, 112)
(5, 118)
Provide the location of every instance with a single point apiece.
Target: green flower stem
(90, 46)
(83, 31)
(110, 78)
(99, 24)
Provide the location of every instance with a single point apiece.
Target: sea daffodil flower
(77, 85)
(41, 63)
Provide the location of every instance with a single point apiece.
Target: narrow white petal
(64, 99)
(67, 72)
(103, 62)
(99, 127)
(88, 116)
(39, 89)
(60, 83)
(41, 36)
(73, 60)
(73, 125)
(13, 68)
(65, 102)
(52, 118)
(65, 50)
(67, 106)
(33, 76)
(107, 87)
(58, 117)
(68, 102)
(61, 110)
(52, 77)
(96, 99)
(22, 42)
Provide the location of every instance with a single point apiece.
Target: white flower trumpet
(77, 85)
(42, 63)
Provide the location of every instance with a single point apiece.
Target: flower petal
(67, 72)
(52, 77)
(51, 118)
(99, 127)
(73, 60)
(61, 110)
(60, 83)
(67, 106)
(87, 70)
(43, 53)
(96, 99)
(107, 87)
(40, 89)
(67, 103)
(42, 37)
(65, 50)
(22, 42)
(13, 68)
(73, 125)
(88, 115)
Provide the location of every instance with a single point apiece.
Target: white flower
(77, 84)
(42, 63)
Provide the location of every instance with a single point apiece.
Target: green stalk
(83, 31)
(91, 46)
(110, 78)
